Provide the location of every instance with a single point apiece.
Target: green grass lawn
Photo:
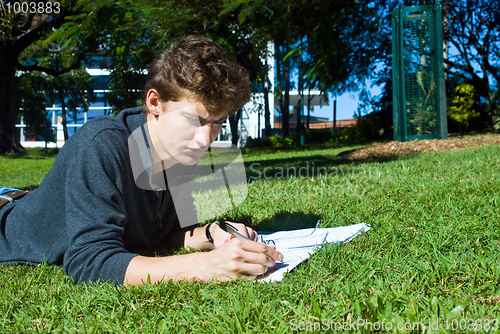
(431, 257)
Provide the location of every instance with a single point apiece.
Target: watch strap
(207, 233)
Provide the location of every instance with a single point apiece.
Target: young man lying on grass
(94, 213)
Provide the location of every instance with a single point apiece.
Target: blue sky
(347, 104)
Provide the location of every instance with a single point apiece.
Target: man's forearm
(156, 269)
(237, 258)
(177, 267)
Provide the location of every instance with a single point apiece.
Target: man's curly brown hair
(198, 68)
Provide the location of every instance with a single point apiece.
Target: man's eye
(193, 120)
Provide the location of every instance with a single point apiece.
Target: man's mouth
(196, 151)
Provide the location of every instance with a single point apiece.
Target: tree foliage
(71, 91)
(331, 45)
(462, 107)
(474, 35)
(33, 101)
(53, 43)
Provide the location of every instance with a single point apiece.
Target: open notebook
(298, 245)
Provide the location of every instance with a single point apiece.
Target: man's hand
(221, 237)
(237, 258)
(240, 258)
(233, 258)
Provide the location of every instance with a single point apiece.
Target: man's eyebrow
(220, 119)
(223, 118)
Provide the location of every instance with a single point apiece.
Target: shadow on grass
(285, 221)
(33, 153)
(307, 147)
(309, 167)
(31, 187)
(281, 221)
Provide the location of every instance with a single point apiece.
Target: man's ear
(153, 102)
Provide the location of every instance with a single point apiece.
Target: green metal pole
(402, 110)
(395, 77)
(441, 90)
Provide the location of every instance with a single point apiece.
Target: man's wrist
(208, 233)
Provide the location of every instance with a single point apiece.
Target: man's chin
(187, 160)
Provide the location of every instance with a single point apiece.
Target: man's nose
(203, 135)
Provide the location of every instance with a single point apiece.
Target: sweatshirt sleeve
(95, 214)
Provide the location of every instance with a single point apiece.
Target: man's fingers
(241, 262)
(257, 247)
(243, 258)
(252, 270)
(245, 230)
(260, 259)
(252, 234)
(257, 269)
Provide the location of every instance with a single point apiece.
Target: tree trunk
(308, 108)
(279, 79)
(299, 126)
(9, 136)
(446, 33)
(267, 112)
(63, 115)
(285, 112)
(233, 123)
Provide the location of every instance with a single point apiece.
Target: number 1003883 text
(31, 7)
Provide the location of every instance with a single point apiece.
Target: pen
(230, 229)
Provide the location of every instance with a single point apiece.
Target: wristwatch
(222, 224)
(225, 226)
(207, 231)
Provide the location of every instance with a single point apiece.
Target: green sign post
(419, 96)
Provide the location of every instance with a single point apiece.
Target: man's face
(183, 130)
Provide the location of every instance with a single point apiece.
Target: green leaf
(412, 310)
(357, 307)
(434, 304)
(420, 80)
(455, 312)
(162, 325)
(316, 308)
(289, 54)
(230, 7)
(388, 310)
(76, 17)
(59, 33)
(242, 15)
